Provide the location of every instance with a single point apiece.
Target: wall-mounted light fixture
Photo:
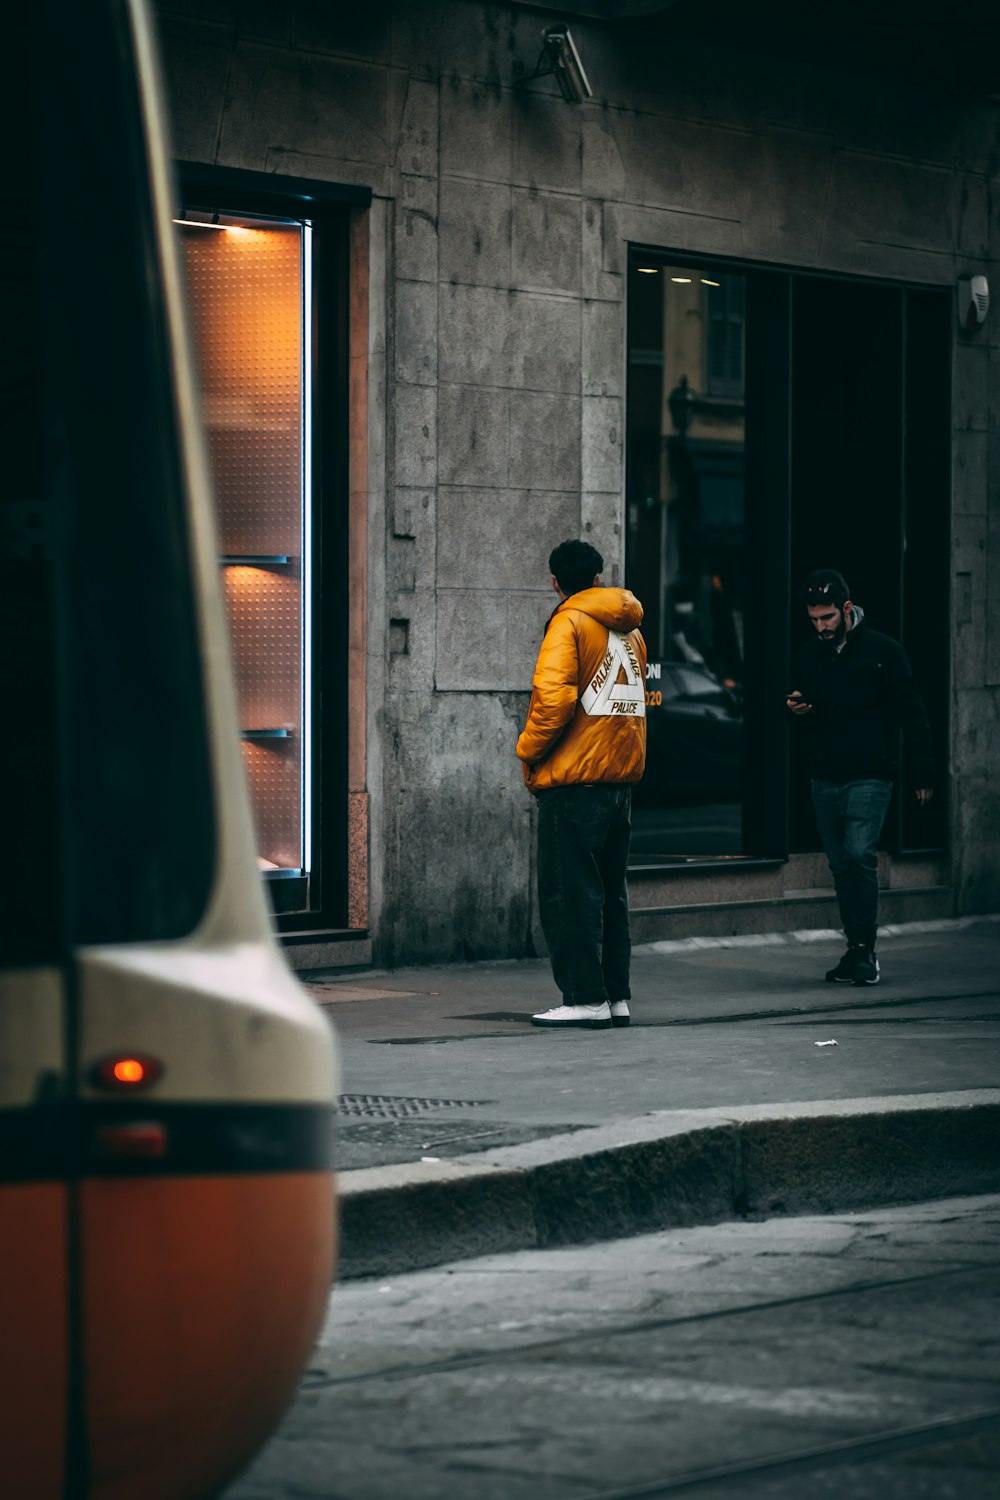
(560, 57)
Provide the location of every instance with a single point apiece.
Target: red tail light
(129, 1070)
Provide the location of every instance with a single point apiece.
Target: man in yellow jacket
(582, 749)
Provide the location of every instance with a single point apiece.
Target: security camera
(566, 65)
(973, 302)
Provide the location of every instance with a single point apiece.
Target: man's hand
(924, 794)
(798, 704)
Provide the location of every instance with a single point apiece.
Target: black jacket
(861, 697)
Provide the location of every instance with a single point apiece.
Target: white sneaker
(619, 1012)
(594, 1017)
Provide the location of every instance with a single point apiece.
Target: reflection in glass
(685, 554)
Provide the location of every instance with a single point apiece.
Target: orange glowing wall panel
(245, 292)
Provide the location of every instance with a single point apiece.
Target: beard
(837, 636)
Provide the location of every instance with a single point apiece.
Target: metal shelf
(253, 559)
(265, 734)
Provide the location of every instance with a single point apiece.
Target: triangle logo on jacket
(606, 694)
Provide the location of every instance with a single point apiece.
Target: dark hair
(825, 586)
(574, 566)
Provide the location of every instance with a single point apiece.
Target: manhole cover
(396, 1107)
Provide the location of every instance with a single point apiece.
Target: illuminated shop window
(248, 286)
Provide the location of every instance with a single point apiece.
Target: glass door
(777, 422)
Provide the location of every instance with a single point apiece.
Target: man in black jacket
(854, 688)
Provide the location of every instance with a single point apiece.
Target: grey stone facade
(498, 240)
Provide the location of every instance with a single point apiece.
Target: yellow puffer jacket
(587, 720)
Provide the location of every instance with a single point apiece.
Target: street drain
(397, 1107)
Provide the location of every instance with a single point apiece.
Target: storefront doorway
(871, 492)
(776, 423)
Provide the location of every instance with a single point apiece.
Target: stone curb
(804, 935)
(667, 1170)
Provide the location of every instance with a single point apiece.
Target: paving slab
(851, 1355)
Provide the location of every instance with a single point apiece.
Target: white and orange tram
(167, 1216)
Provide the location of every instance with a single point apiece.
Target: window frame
(327, 207)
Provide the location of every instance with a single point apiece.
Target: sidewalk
(465, 1130)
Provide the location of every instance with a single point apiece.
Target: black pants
(849, 816)
(583, 842)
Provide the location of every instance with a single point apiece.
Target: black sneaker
(845, 972)
(866, 970)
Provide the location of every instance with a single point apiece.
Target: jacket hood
(835, 650)
(617, 609)
(858, 619)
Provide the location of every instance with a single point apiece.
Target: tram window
(27, 732)
(108, 802)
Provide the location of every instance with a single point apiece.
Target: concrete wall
(498, 248)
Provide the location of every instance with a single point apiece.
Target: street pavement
(462, 1129)
(852, 1355)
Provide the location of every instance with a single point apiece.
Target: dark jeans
(849, 816)
(583, 842)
